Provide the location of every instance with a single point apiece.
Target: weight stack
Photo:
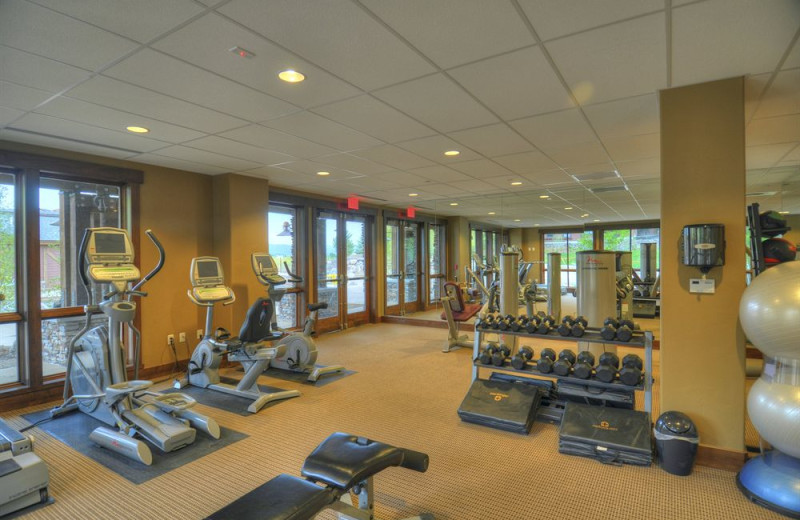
(502, 405)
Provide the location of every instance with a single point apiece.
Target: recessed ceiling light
(291, 76)
(783, 212)
(323, 174)
(516, 183)
(454, 203)
(451, 153)
(536, 225)
(584, 215)
(517, 220)
(137, 129)
(568, 207)
(491, 213)
(544, 196)
(596, 220)
(413, 194)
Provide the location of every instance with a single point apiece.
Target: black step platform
(610, 435)
(613, 397)
(503, 405)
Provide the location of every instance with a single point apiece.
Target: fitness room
(373, 259)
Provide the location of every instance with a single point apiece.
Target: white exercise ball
(774, 409)
(770, 311)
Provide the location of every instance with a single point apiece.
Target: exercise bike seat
(344, 460)
(119, 390)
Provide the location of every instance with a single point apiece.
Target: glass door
(404, 276)
(342, 269)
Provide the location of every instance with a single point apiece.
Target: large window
(282, 230)
(486, 245)
(437, 261)
(631, 239)
(53, 201)
(568, 244)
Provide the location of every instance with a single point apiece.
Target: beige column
(703, 181)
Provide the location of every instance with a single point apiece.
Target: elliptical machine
(301, 351)
(96, 371)
(249, 349)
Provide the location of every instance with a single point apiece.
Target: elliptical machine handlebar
(82, 264)
(162, 256)
(292, 276)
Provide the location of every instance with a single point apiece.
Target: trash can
(676, 442)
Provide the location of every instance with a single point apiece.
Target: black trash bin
(676, 442)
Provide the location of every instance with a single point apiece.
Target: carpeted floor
(405, 392)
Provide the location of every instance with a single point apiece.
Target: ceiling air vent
(607, 189)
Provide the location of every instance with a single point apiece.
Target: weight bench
(456, 311)
(341, 463)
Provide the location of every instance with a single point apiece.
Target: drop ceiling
(558, 95)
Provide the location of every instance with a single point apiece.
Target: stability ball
(774, 409)
(770, 311)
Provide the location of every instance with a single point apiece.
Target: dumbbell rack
(640, 339)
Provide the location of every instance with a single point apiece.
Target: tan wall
(458, 247)
(703, 181)
(531, 252)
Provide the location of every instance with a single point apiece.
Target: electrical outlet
(199, 333)
(170, 339)
(182, 337)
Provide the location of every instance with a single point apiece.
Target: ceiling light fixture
(454, 203)
(596, 220)
(491, 213)
(137, 129)
(536, 225)
(452, 153)
(413, 194)
(544, 196)
(584, 215)
(323, 174)
(516, 183)
(291, 76)
(517, 220)
(568, 207)
(783, 212)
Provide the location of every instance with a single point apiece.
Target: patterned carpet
(405, 392)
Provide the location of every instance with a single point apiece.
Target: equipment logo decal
(604, 425)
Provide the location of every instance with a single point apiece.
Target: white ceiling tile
(56, 127)
(133, 20)
(527, 162)
(753, 89)
(555, 130)
(392, 195)
(446, 190)
(162, 73)
(46, 33)
(630, 148)
(793, 60)
(34, 71)
(281, 176)
(516, 84)
(478, 186)
(8, 115)
(230, 164)
(178, 164)
(766, 156)
(595, 174)
(773, 130)
(578, 154)
(103, 117)
(374, 183)
(62, 144)
(376, 118)
(438, 102)
(492, 140)
(782, 97)
(793, 156)
(549, 177)
(337, 35)
(21, 97)
(393, 156)
(311, 168)
(355, 163)
(629, 116)
(621, 60)
(451, 32)
(643, 168)
(403, 179)
(482, 168)
(552, 19)
(191, 43)
(439, 173)
(222, 146)
(724, 38)
(433, 148)
(270, 139)
(136, 100)
(323, 131)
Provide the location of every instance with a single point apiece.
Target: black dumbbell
(607, 366)
(519, 323)
(583, 365)
(565, 328)
(505, 322)
(631, 373)
(486, 322)
(485, 356)
(579, 326)
(496, 321)
(546, 324)
(609, 330)
(520, 359)
(563, 366)
(625, 330)
(546, 358)
(533, 324)
(500, 355)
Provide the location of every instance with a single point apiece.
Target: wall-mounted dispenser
(703, 246)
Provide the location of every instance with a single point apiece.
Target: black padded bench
(340, 464)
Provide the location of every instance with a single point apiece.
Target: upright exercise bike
(96, 372)
(301, 351)
(249, 349)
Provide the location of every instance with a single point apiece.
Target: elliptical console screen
(109, 243)
(207, 269)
